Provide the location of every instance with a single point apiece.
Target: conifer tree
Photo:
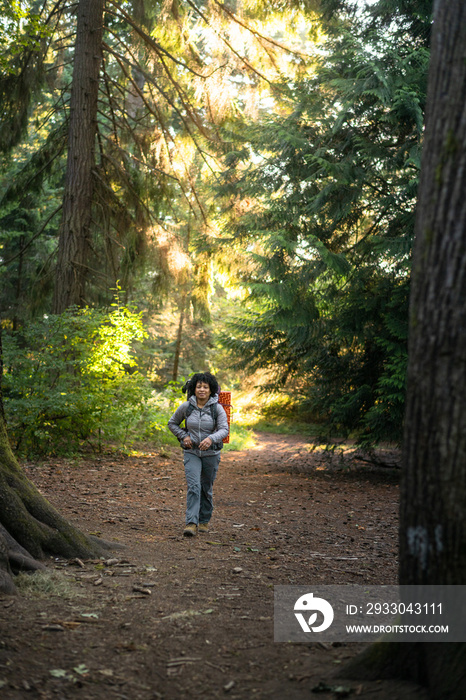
(73, 243)
(328, 216)
(433, 497)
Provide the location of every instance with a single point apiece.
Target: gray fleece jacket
(199, 425)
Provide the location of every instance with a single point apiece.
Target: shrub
(72, 378)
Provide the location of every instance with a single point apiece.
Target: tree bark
(433, 526)
(30, 527)
(433, 495)
(73, 246)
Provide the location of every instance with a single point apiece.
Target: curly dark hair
(205, 377)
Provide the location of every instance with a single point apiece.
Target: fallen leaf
(59, 673)
(82, 669)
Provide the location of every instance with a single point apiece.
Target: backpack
(213, 411)
(224, 398)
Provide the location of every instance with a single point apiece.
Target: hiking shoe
(190, 530)
(203, 527)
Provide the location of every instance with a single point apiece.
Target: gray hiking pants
(200, 476)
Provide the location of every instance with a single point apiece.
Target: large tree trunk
(73, 246)
(433, 504)
(433, 496)
(433, 523)
(30, 527)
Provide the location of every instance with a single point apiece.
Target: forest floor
(173, 617)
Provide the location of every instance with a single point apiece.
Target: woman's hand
(205, 444)
(187, 442)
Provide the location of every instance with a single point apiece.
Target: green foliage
(172, 73)
(162, 406)
(20, 29)
(23, 44)
(29, 221)
(241, 438)
(328, 219)
(72, 379)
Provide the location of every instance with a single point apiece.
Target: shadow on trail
(175, 618)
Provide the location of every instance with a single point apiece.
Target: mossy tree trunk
(30, 527)
(433, 495)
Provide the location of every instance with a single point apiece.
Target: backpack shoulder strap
(213, 411)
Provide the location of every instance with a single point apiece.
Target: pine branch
(128, 76)
(34, 237)
(183, 97)
(126, 180)
(110, 102)
(158, 48)
(121, 60)
(22, 181)
(257, 34)
(227, 43)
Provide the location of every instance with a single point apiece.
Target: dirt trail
(170, 617)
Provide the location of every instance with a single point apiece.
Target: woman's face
(202, 391)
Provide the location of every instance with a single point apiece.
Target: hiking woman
(201, 439)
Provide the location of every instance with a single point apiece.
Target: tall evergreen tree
(328, 218)
(433, 496)
(73, 243)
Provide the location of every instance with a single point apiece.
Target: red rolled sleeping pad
(224, 399)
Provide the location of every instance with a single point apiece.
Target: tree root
(438, 666)
(380, 660)
(7, 585)
(31, 528)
